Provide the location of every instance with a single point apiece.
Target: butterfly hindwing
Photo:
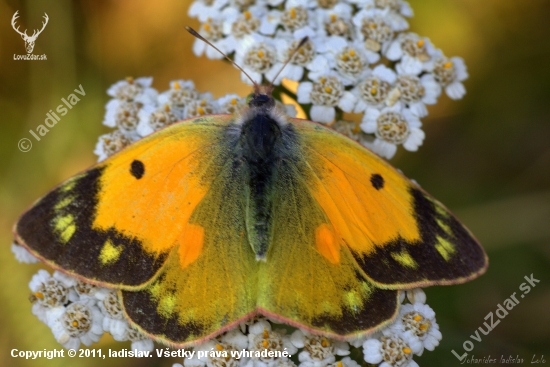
(193, 300)
(399, 236)
(307, 280)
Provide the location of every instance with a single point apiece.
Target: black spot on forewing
(137, 169)
(377, 181)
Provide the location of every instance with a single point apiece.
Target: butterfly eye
(137, 169)
(249, 98)
(377, 181)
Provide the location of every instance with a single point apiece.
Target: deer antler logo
(29, 40)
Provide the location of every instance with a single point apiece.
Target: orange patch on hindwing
(327, 244)
(192, 241)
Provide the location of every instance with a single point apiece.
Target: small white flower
(389, 349)
(204, 106)
(243, 24)
(261, 337)
(392, 126)
(66, 279)
(212, 30)
(153, 118)
(416, 295)
(345, 362)
(304, 58)
(414, 53)
(242, 5)
(229, 361)
(22, 254)
(397, 6)
(109, 144)
(235, 338)
(114, 321)
(325, 94)
(351, 63)
(270, 22)
(350, 129)
(79, 322)
(257, 56)
(374, 90)
(334, 22)
(123, 115)
(415, 93)
(319, 351)
(396, 10)
(86, 290)
(230, 104)
(450, 73)
(416, 322)
(138, 90)
(52, 291)
(375, 30)
(294, 17)
(180, 94)
(204, 9)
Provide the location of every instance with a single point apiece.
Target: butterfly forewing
(399, 236)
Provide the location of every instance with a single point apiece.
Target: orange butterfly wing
(399, 236)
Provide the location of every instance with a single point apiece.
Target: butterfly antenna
(302, 42)
(197, 35)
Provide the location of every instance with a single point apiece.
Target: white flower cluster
(79, 312)
(137, 110)
(360, 58)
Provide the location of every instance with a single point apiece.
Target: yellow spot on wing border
(109, 253)
(405, 259)
(445, 248)
(65, 227)
(63, 202)
(167, 305)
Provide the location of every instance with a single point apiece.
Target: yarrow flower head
(393, 126)
(79, 322)
(325, 95)
(362, 47)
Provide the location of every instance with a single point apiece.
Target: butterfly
(215, 219)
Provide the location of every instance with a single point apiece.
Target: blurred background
(487, 157)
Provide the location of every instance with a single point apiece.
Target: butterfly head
(261, 98)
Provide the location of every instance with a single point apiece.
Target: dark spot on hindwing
(377, 181)
(137, 169)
